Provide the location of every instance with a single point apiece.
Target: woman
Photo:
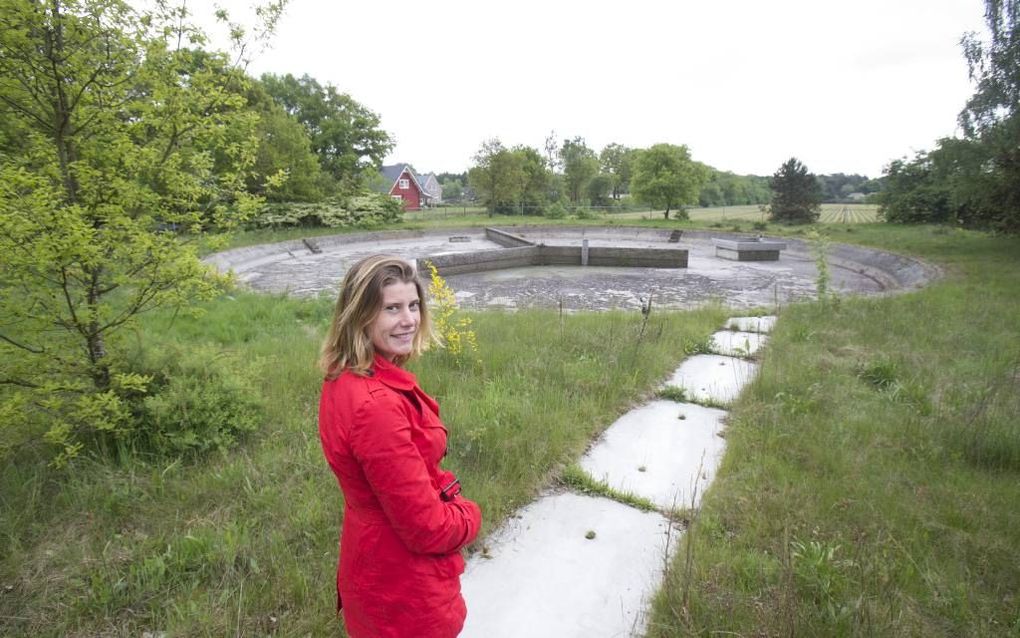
(405, 521)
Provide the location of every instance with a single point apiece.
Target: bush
(357, 211)
(168, 402)
(556, 210)
(197, 400)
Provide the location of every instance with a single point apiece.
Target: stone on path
(738, 344)
(651, 452)
(545, 579)
(752, 324)
(713, 378)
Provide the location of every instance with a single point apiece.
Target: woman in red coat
(405, 521)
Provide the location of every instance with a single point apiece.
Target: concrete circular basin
(309, 267)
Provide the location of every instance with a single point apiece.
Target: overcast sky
(745, 84)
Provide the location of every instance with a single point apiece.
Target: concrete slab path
(713, 378)
(660, 451)
(545, 578)
(571, 565)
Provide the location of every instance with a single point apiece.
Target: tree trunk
(666, 214)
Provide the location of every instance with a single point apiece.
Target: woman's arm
(380, 440)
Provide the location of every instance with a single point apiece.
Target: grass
(244, 543)
(869, 486)
(871, 477)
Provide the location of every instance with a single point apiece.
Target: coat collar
(393, 375)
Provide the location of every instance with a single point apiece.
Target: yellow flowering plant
(454, 330)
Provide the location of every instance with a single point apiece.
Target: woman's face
(393, 329)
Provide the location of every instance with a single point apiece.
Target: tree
(665, 176)
(580, 164)
(127, 137)
(992, 115)
(285, 168)
(796, 195)
(533, 176)
(345, 135)
(617, 160)
(496, 175)
(453, 190)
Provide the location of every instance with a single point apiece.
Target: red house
(404, 185)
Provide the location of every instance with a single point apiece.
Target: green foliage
(509, 180)
(556, 210)
(126, 138)
(285, 168)
(197, 399)
(345, 135)
(727, 189)
(796, 195)
(367, 210)
(617, 161)
(673, 393)
(576, 478)
(974, 181)
(666, 177)
(580, 165)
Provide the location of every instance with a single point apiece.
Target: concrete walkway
(576, 565)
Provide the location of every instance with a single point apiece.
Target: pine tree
(796, 196)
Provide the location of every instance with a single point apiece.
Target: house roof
(394, 171)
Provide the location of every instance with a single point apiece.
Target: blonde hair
(347, 344)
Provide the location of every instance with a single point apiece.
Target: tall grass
(873, 468)
(244, 543)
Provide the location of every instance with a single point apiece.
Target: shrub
(198, 400)
(556, 210)
(357, 211)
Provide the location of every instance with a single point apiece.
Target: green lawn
(872, 476)
(869, 488)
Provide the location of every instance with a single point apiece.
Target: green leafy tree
(796, 195)
(453, 190)
(665, 176)
(285, 168)
(496, 176)
(617, 161)
(125, 137)
(533, 176)
(345, 135)
(580, 164)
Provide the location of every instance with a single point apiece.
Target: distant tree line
(569, 173)
(973, 180)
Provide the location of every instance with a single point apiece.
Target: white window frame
(404, 184)
(399, 198)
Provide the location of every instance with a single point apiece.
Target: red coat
(400, 561)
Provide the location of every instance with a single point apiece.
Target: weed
(576, 478)
(673, 393)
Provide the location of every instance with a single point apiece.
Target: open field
(831, 214)
(869, 486)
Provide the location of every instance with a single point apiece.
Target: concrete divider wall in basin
(481, 260)
(505, 239)
(637, 257)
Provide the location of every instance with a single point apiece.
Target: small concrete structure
(751, 324)
(712, 378)
(545, 578)
(663, 451)
(748, 249)
(737, 344)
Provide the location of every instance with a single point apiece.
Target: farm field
(831, 214)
